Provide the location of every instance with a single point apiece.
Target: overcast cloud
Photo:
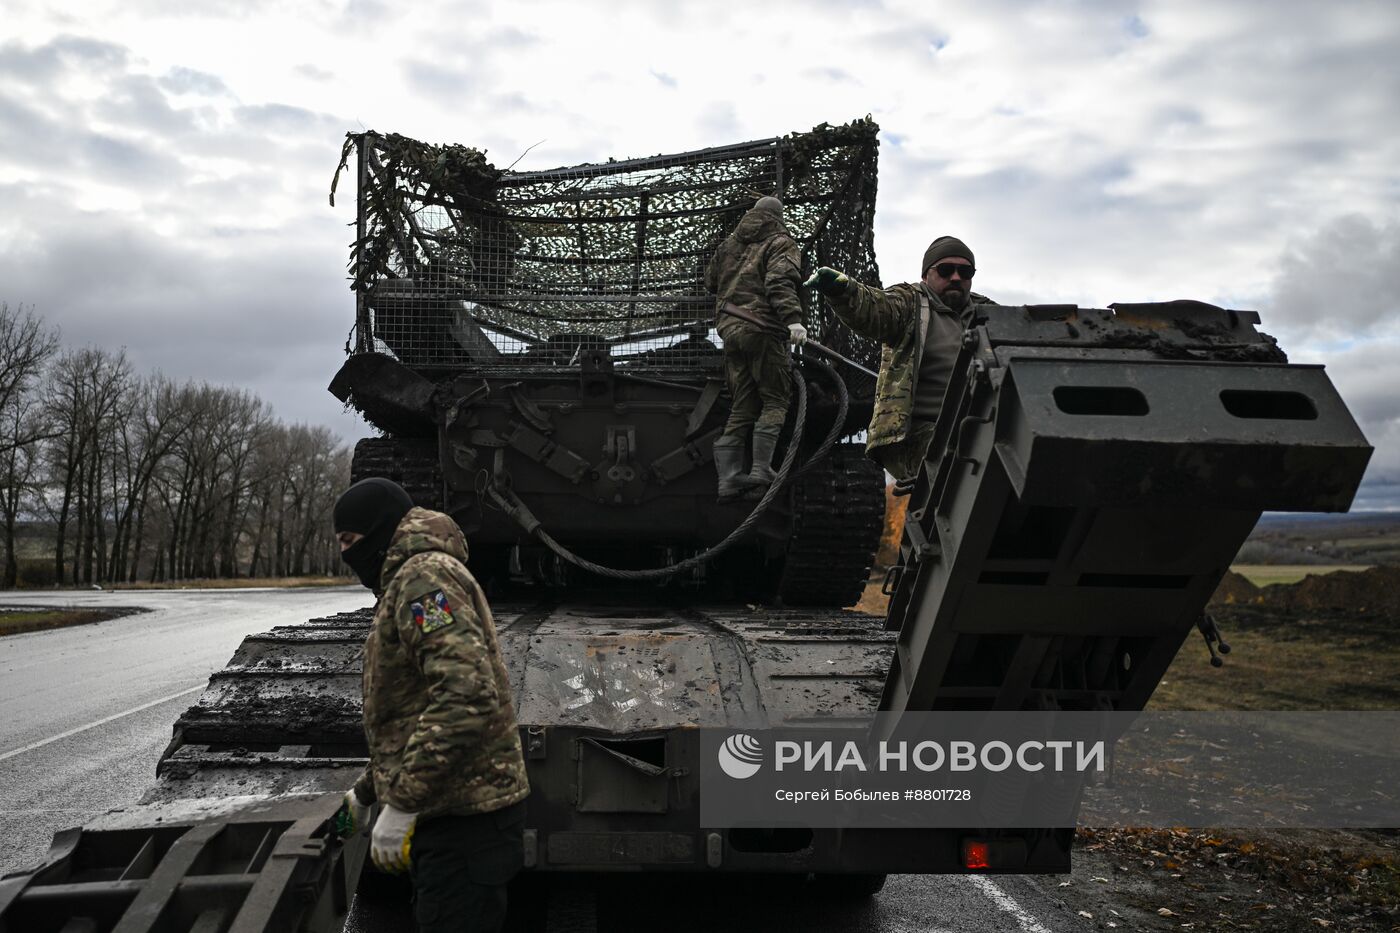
(164, 165)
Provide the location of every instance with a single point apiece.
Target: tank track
(411, 462)
(838, 515)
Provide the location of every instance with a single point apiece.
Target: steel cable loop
(843, 404)
(521, 514)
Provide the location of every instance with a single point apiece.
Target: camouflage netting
(459, 263)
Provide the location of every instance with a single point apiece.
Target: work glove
(829, 281)
(797, 335)
(388, 844)
(352, 816)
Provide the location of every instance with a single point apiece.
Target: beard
(955, 298)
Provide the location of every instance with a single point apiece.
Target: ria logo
(740, 756)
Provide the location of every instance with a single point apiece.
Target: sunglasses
(946, 269)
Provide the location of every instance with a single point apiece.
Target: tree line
(136, 477)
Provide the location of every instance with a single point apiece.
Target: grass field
(1326, 662)
(236, 583)
(17, 621)
(1267, 574)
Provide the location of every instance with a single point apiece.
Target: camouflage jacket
(895, 317)
(759, 268)
(437, 709)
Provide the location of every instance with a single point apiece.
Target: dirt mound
(1374, 592)
(1235, 589)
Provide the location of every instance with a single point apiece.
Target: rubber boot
(761, 475)
(729, 464)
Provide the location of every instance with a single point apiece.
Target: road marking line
(101, 722)
(1003, 900)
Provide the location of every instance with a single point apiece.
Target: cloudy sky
(164, 164)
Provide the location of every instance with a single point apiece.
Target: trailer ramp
(1094, 475)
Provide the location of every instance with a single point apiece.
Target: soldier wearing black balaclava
(445, 761)
(372, 508)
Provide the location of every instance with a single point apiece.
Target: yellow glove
(389, 843)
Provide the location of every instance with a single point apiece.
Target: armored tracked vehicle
(1094, 474)
(541, 355)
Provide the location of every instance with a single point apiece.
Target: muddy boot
(729, 464)
(761, 475)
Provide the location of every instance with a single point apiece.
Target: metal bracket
(542, 450)
(529, 410)
(709, 397)
(959, 456)
(919, 545)
(672, 466)
(535, 742)
(620, 445)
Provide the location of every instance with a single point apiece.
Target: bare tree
(183, 481)
(18, 472)
(26, 345)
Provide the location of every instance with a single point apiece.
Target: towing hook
(1210, 631)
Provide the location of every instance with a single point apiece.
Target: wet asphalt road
(87, 711)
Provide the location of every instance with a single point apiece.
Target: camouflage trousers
(756, 368)
(903, 458)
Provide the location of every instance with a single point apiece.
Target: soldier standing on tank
(758, 269)
(921, 325)
(445, 761)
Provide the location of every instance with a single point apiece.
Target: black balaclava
(372, 507)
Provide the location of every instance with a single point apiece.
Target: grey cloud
(42, 63)
(718, 120)
(33, 139)
(509, 37)
(437, 80)
(206, 9)
(512, 102)
(835, 75)
(180, 80)
(125, 161)
(664, 79)
(1341, 280)
(269, 313)
(1364, 375)
(139, 101)
(365, 10)
(314, 72)
(284, 118)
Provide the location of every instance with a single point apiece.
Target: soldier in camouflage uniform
(445, 761)
(921, 325)
(756, 269)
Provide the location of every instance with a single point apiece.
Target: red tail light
(976, 854)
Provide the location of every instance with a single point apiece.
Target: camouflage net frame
(458, 264)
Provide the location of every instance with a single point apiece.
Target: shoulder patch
(432, 612)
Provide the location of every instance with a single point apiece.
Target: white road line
(101, 722)
(1003, 900)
